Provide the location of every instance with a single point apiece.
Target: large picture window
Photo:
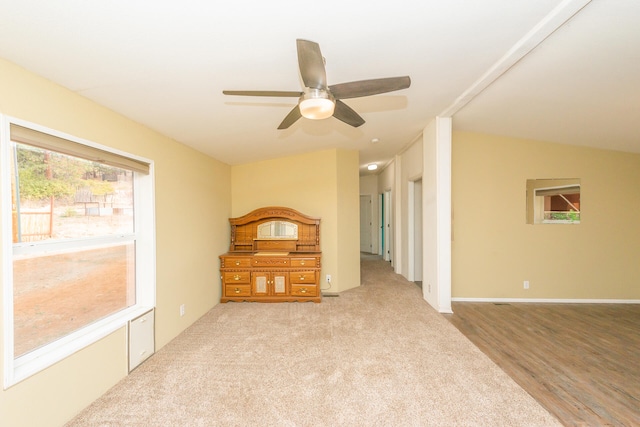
(78, 244)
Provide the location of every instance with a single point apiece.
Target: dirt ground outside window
(59, 294)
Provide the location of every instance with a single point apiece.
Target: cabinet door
(280, 283)
(141, 339)
(270, 283)
(261, 283)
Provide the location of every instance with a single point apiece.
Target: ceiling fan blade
(273, 93)
(311, 64)
(291, 118)
(369, 87)
(346, 114)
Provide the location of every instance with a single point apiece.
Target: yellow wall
(494, 250)
(193, 202)
(322, 184)
(348, 214)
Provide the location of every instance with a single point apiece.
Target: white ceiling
(165, 63)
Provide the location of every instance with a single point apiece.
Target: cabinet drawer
(237, 277)
(237, 290)
(303, 277)
(300, 290)
(303, 262)
(237, 262)
(261, 261)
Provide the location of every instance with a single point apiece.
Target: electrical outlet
(181, 310)
(328, 278)
(526, 284)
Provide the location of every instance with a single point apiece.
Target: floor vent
(330, 295)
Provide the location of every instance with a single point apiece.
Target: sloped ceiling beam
(554, 20)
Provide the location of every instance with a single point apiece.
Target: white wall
(428, 159)
(411, 170)
(436, 183)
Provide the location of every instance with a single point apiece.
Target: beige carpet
(377, 355)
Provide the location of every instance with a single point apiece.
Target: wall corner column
(437, 213)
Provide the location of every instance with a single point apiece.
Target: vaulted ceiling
(561, 71)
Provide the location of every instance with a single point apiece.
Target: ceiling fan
(319, 100)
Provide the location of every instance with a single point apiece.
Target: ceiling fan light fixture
(317, 104)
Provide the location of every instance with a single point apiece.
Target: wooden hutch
(274, 257)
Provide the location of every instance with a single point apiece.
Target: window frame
(24, 366)
(548, 187)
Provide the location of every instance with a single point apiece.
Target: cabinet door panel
(141, 339)
(261, 283)
(280, 283)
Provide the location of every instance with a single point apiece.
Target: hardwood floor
(580, 361)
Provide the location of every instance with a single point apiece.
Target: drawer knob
(236, 290)
(236, 277)
(301, 277)
(301, 262)
(303, 290)
(237, 262)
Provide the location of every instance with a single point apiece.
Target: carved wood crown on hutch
(244, 230)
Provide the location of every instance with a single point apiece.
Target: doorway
(385, 226)
(415, 232)
(365, 224)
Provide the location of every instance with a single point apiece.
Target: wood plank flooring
(580, 361)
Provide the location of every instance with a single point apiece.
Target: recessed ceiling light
(372, 167)
(375, 140)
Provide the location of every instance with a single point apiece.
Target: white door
(365, 223)
(386, 224)
(417, 229)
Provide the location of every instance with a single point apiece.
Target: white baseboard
(549, 300)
